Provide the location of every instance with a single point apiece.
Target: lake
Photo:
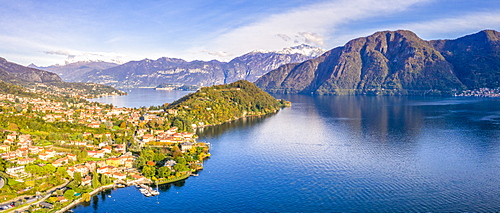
(339, 154)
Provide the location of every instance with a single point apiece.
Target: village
(98, 145)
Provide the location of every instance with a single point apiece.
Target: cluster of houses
(115, 167)
(168, 137)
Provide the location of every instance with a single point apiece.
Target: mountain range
(151, 73)
(394, 62)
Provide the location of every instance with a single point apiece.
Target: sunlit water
(323, 154)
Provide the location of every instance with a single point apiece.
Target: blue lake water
(340, 154)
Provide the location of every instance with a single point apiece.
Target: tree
(159, 157)
(164, 172)
(77, 176)
(86, 197)
(181, 167)
(69, 194)
(148, 171)
(95, 181)
(180, 160)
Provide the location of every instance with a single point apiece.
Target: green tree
(148, 171)
(95, 180)
(180, 160)
(77, 176)
(164, 172)
(69, 194)
(181, 167)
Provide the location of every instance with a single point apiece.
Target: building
(15, 171)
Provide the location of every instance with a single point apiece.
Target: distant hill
(394, 63)
(218, 104)
(15, 73)
(74, 72)
(150, 73)
(475, 58)
(31, 80)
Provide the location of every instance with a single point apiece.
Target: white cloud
(318, 20)
(218, 54)
(310, 38)
(75, 56)
(464, 24)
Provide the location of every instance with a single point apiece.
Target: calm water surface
(323, 154)
(139, 97)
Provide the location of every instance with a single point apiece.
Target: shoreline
(80, 200)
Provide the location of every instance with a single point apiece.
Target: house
(94, 125)
(24, 138)
(170, 164)
(12, 137)
(116, 162)
(8, 141)
(15, 171)
(60, 162)
(80, 143)
(44, 156)
(96, 154)
(61, 199)
(106, 149)
(147, 138)
(119, 176)
(138, 177)
(87, 180)
(35, 149)
(22, 152)
(186, 146)
(101, 163)
(25, 161)
(51, 153)
(91, 165)
(129, 163)
(71, 157)
(120, 148)
(102, 170)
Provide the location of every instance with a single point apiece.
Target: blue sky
(46, 32)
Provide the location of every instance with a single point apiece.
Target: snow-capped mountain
(302, 49)
(150, 73)
(94, 57)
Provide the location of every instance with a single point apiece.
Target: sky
(48, 32)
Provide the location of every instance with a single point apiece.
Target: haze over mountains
(151, 73)
(394, 62)
(40, 81)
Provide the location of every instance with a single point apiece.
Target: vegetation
(218, 104)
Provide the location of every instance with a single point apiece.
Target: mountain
(72, 72)
(15, 73)
(21, 79)
(475, 58)
(393, 62)
(150, 73)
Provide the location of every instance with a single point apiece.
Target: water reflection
(214, 131)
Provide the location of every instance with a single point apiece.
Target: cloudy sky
(47, 32)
